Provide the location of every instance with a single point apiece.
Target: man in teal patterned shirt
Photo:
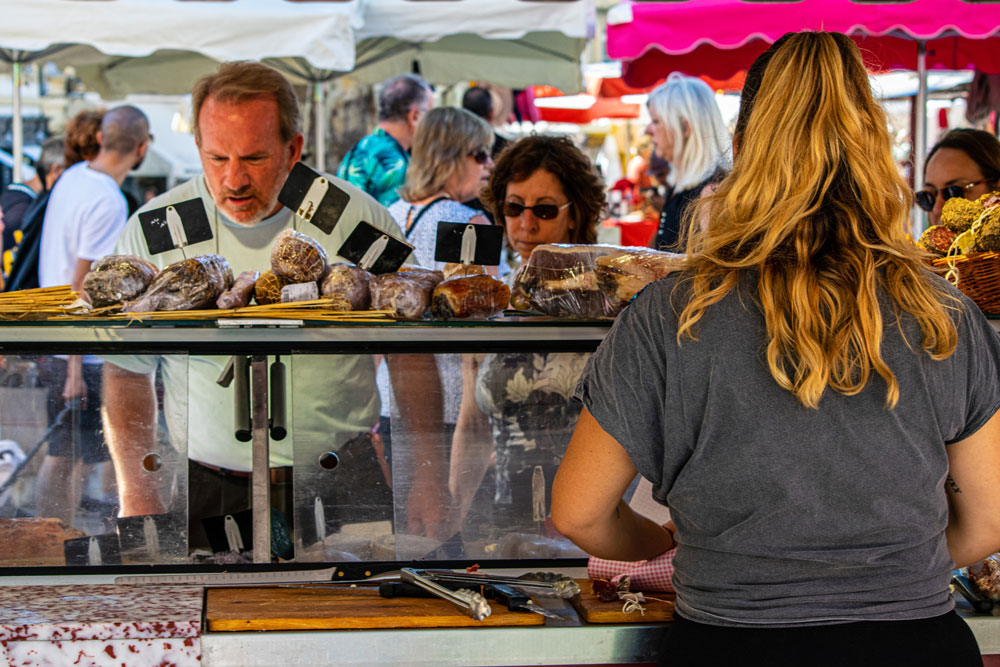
(377, 163)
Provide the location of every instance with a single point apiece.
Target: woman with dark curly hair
(546, 191)
(517, 409)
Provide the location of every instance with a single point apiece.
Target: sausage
(239, 295)
(476, 296)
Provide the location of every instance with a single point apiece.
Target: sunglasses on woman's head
(481, 156)
(513, 209)
(926, 198)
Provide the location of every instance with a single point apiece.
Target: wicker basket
(978, 278)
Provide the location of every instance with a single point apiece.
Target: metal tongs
(562, 587)
(469, 602)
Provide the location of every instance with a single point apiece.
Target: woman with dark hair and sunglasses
(517, 409)
(965, 163)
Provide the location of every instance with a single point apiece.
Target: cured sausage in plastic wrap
(239, 295)
(587, 281)
(406, 293)
(189, 284)
(349, 283)
(298, 258)
(620, 276)
(117, 278)
(475, 296)
(455, 270)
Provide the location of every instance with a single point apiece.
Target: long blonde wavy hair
(815, 206)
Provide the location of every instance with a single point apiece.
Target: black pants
(942, 641)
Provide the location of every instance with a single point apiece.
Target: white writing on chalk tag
(299, 292)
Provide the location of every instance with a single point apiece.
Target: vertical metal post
(920, 135)
(17, 124)
(261, 482)
(319, 109)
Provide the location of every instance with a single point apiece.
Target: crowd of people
(815, 407)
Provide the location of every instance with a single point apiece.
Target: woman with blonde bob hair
(450, 163)
(817, 410)
(687, 131)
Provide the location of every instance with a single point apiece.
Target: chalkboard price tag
(374, 250)
(313, 197)
(175, 226)
(462, 243)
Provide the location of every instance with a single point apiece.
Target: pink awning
(720, 37)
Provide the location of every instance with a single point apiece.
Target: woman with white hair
(687, 131)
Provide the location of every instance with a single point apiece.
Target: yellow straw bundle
(35, 304)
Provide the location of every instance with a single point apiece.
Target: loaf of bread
(189, 284)
(475, 296)
(349, 283)
(117, 278)
(298, 258)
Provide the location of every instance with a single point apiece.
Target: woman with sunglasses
(965, 163)
(817, 409)
(517, 409)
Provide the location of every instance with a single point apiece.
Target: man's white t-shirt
(85, 216)
(331, 398)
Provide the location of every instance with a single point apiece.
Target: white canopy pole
(319, 108)
(920, 132)
(17, 124)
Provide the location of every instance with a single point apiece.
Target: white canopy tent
(512, 43)
(161, 46)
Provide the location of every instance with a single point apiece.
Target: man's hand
(429, 508)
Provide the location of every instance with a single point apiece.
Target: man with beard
(246, 126)
(85, 215)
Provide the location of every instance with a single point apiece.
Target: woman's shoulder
(453, 211)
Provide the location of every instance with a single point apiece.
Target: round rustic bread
(298, 258)
(267, 289)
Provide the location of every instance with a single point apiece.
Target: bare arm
(416, 384)
(973, 501)
(129, 413)
(472, 444)
(587, 504)
(75, 386)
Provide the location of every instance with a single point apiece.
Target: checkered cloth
(647, 576)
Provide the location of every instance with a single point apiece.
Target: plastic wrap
(474, 296)
(350, 283)
(118, 278)
(454, 270)
(239, 295)
(298, 258)
(189, 284)
(407, 293)
(587, 281)
(985, 575)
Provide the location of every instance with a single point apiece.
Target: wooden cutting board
(273, 608)
(593, 610)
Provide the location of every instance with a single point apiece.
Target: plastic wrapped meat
(475, 296)
(454, 270)
(268, 288)
(587, 281)
(189, 284)
(298, 258)
(406, 293)
(117, 278)
(239, 295)
(622, 276)
(986, 576)
(349, 283)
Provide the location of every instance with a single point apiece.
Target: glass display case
(146, 444)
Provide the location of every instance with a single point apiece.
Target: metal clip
(314, 197)
(176, 228)
(468, 245)
(374, 252)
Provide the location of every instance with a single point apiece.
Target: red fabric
(636, 233)
(720, 37)
(647, 576)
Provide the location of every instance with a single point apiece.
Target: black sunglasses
(926, 198)
(512, 209)
(481, 156)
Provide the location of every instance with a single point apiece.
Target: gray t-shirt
(788, 515)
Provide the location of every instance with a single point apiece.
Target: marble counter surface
(100, 624)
